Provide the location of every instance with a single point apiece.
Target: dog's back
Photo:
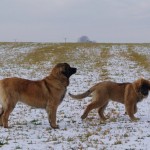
(112, 90)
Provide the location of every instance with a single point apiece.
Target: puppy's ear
(147, 83)
(142, 86)
(137, 84)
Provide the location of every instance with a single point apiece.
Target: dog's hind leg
(101, 111)
(135, 109)
(1, 113)
(93, 105)
(6, 114)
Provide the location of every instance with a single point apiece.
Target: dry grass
(102, 63)
(50, 52)
(141, 59)
(95, 54)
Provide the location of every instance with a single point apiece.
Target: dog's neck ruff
(139, 95)
(59, 82)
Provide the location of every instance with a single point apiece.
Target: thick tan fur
(128, 94)
(47, 93)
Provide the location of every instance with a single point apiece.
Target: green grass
(2, 143)
(36, 122)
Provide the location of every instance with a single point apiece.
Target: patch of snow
(30, 128)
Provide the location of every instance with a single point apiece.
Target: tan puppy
(47, 93)
(128, 94)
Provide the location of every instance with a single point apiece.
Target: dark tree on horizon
(84, 39)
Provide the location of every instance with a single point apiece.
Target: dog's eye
(64, 71)
(67, 68)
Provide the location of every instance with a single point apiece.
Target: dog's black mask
(144, 89)
(69, 71)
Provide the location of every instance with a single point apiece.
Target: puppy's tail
(83, 95)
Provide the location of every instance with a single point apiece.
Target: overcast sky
(55, 20)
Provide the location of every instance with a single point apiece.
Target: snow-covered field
(29, 127)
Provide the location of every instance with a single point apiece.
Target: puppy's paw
(104, 118)
(83, 116)
(102, 122)
(135, 119)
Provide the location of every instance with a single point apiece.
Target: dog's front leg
(135, 110)
(51, 111)
(131, 110)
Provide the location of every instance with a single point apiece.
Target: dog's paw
(135, 119)
(102, 122)
(104, 118)
(5, 125)
(83, 116)
(55, 126)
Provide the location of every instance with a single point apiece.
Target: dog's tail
(83, 95)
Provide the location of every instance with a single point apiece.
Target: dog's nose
(75, 70)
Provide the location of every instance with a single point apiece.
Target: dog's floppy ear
(145, 87)
(61, 70)
(146, 83)
(137, 84)
(142, 86)
(57, 70)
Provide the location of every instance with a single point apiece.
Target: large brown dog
(47, 93)
(126, 93)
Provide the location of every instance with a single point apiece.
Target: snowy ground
(30, 128)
